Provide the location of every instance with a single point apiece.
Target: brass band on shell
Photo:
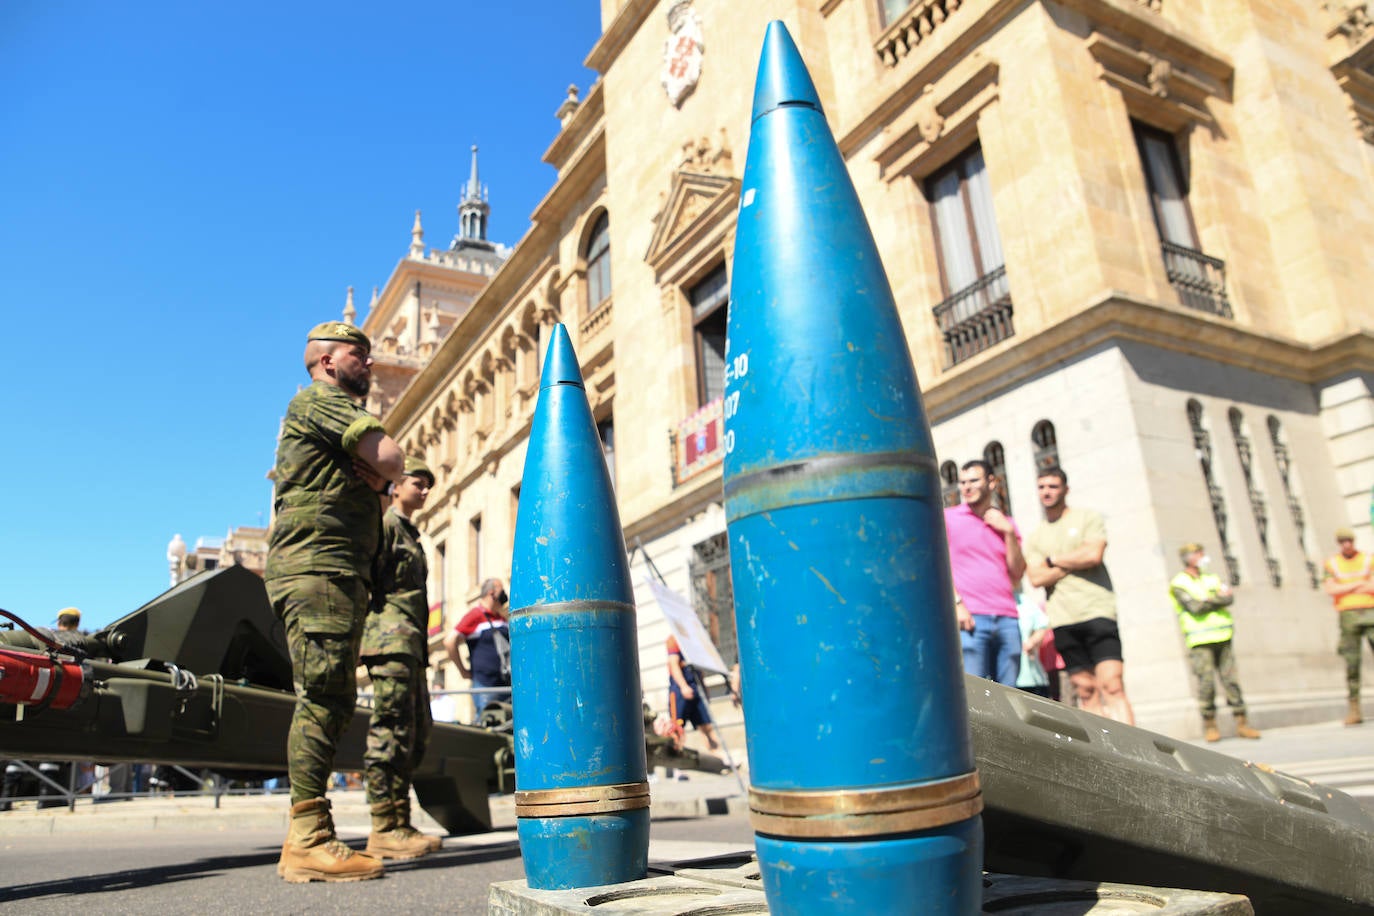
(865, 812)
(582, 800)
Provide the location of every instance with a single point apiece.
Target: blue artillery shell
(574, 647)
(841, 576)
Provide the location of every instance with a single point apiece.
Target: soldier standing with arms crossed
(397, 660)
(333, 458)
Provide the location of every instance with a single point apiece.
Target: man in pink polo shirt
(985, 557)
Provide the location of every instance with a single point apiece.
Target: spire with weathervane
(472, 213)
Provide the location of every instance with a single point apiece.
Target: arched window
(1292, 491)
(1046, 445)
(1202, 446)
(995, 458)
(1258, 505)
(599, 262)
(949, 484)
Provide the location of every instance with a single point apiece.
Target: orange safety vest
(1346, 571)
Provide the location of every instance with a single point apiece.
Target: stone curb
(250, 813)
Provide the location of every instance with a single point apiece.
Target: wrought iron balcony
(1199, 279)
(976, 317)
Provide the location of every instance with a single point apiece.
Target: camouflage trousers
(323, 615)
(1356, 625)
(1210, 662)
(399, 731)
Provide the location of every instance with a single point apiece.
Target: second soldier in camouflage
(395, 652)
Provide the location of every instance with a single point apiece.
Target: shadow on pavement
(164, 875)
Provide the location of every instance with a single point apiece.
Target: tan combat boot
(403, 823)
(1354, 717)
(312, 852)
(389, 841)
(1243, 730)
(1209, 728)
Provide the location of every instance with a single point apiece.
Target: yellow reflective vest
(1346, 571)
(1212, 625)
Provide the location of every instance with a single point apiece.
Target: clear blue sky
(185, 189)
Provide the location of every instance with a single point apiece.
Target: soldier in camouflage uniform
(395, 653)
(333, 458)
(1349, 581)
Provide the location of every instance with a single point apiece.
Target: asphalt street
(184, 855)
(167, 871)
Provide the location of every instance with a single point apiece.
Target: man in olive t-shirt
(1064, 557)
(333, 458)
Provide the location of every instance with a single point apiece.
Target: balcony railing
(596, 322)
(698, 442)
(1199, 279)
(976, 317)
(913, 27)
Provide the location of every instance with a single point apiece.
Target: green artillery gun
(200, 677)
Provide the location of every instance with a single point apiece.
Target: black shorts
(1084, 645)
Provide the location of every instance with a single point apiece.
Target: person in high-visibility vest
(1349, 581)
(1202, 600)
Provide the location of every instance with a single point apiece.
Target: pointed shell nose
(782, 78)
(560, 365)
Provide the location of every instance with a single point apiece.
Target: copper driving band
(865, 812)
(582, 800)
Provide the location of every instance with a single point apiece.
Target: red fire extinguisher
(41, 681)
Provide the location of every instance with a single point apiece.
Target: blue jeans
(993, 649)
(480, 700)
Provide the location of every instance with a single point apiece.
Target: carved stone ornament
(1350, 18)
(700, 156)
(1158, 78)
(928, 119)
(682, 52)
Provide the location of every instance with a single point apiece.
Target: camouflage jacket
(398, 621)
(328, 519)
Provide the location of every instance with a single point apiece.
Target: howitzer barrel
(1072, 795)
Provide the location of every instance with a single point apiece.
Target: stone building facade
(1128, 236)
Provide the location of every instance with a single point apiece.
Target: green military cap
(417, 468)
(1345, 534)
(1188, 549)
(340, 331)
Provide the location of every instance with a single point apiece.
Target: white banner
(692, 637)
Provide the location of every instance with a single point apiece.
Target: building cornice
(580, 126)
(1113, 317)
(614, 39)
(399, 285)
(489, 308)
(687, 500)
(585, 171)
(959, 35)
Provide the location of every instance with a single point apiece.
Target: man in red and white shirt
(485, 631)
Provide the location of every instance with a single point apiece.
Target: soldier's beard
(357, 384)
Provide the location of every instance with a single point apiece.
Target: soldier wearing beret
(333, 458)
(396, 655)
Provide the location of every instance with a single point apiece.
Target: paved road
(234, 871)
(182, 856)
